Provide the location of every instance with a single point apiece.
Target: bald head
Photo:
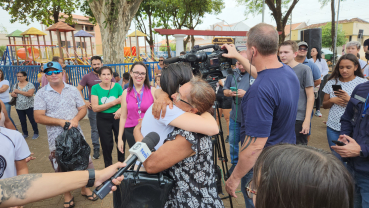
(264, 38)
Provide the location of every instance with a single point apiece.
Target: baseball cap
(115, 74)
(52, 65)
(302, 43)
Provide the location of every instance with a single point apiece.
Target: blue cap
(52, 65)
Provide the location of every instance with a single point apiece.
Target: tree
(2, 51)
(196, 11)
(327, 41)
(333, 25)
(46, 11)
(3, 29)
(114, 18)
(255, 7)
(148, 11)
(172, 47)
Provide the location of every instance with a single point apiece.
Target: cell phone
(336, 87)
(338, 143)
(233, 89)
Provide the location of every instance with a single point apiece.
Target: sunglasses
(303, 49)
(161, 60)
(49, 73)
(250, 191)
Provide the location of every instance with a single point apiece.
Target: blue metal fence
(75, 73)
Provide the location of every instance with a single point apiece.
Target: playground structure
(30, 52)
(64, 53)
(130, 53)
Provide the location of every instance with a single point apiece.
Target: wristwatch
(361, 153)
(91, 178)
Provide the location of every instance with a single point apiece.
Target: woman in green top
(105, 100)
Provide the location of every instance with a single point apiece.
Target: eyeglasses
(49, 73)
(179, 98)
(19, 76)
(139, 74)
(303, 49)
(250, 192)
(161, 60)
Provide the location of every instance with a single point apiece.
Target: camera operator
(239, 80)
(269, 107)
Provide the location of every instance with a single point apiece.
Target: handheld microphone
(140, 151)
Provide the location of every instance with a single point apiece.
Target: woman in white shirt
(353, 47)
(316, 56)
(4, 94)
(348, 75)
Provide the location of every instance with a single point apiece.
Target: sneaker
(317, 113)
(35, 136)
(227, 140)
(96, 154)
(25, 136)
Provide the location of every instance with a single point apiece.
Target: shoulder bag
(13, 101)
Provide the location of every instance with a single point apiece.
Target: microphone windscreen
(151, 140)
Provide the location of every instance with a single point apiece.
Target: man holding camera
(236, 86)
(269, 107)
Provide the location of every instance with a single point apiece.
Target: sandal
(69, 203)
(94, 198)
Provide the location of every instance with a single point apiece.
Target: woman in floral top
(24, 91)
(188, 156)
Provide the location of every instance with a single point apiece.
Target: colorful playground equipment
(130, 53)
(64, 52)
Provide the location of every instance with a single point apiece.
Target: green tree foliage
(326, 36)
(176, 14)
(172, 47)
(280, 10)
(2, 50)
(45, 11)
(3, 29)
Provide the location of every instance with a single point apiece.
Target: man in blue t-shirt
(241, 80)
(269, 107)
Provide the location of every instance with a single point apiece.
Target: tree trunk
(193, 41)
(333, 29)
(113, 33)
(185, 42)
(168, 47)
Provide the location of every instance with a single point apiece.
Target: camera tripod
(219, 151)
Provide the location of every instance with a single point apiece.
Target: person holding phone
(355, 151)
(348, 75)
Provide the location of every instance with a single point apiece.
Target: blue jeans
(248, 202)
(333, 135)
(94, 131)
(361, 189)
(234, 140)
(8, 108)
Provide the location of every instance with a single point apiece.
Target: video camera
(211, 67)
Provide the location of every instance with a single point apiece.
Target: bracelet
(91, 178)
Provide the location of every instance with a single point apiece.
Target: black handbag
(13, 101)
(142, 190)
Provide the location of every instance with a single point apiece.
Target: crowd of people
(268, 104)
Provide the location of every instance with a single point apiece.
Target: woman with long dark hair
(4, 94)
(105, 100)
(347, 73)
(24, 91)
(290, 176)
(316, 56)
(136, 99)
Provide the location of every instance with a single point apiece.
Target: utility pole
(335, 36)
(262, 20)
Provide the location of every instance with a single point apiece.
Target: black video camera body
(211, 67)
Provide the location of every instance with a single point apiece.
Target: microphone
(140, 151)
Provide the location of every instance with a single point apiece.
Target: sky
(308, 11)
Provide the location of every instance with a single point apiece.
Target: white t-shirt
(5, 95)
(336, 111)
(13, 148)
(322, 65)
(366, 69)
(161, 126)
